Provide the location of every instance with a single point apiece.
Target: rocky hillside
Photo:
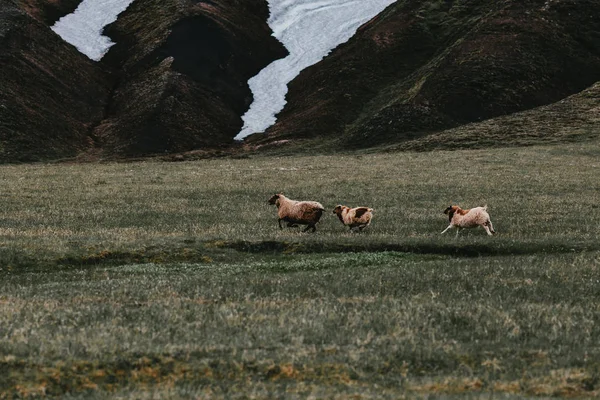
(48, 11)
(50, 94)
(183, 72)
(175, 81)
(576, 118)
(422, 67)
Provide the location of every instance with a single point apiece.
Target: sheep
(354, 217)
(472, 218)
(297, 212)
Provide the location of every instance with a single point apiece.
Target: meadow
(172, 280)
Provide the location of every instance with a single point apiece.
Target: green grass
(146, 280)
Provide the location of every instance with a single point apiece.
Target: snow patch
(83, 28)
(309, 29)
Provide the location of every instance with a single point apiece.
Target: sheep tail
(319, 213)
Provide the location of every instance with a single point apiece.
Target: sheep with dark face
(471, 218)
(297, 212)
(354, 217)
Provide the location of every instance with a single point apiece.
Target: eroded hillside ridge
(50, 93)
(183, 72)
(572, 119)
(48, 11)
(176, 80)
(421, 67)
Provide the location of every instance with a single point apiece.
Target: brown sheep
(354, 217)
(297, 212)
(471, 218)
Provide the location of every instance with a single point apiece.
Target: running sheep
(297, 212)
(354, 217)
(471, 218)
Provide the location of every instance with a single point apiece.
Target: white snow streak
(83, 28)
(309, 29)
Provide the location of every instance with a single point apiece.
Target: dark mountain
(176, 80)
(572, 119)
(50, 94)
(46, 11)
(424, 66)
(183, 72)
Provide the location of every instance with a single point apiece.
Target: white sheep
(297, 212)
(354, 217)
(472, 218)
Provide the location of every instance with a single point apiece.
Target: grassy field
(172, 280)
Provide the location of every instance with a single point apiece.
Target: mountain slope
(422, 67)
(176, 80)
(48, 11)
(575, 118)
(183, 72)
(50, 93)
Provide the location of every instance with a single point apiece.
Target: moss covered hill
(47, 11)
(183, 72)
(50, 94)
(425, 66)
(176, 80)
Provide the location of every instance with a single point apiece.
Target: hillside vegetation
(182, 69)
(573, 119)
(425, 66)
(173, 280)
(176, 81)
(50, 93)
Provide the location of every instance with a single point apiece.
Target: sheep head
(275, 199)
(450, 211)
(338, 209)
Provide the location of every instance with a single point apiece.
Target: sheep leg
(445, 230)
(292, 225)
(314, 228)
(491, 227)
(279, 223)
(488, 228)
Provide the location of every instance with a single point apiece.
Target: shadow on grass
(433, 248)
(227, 251)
